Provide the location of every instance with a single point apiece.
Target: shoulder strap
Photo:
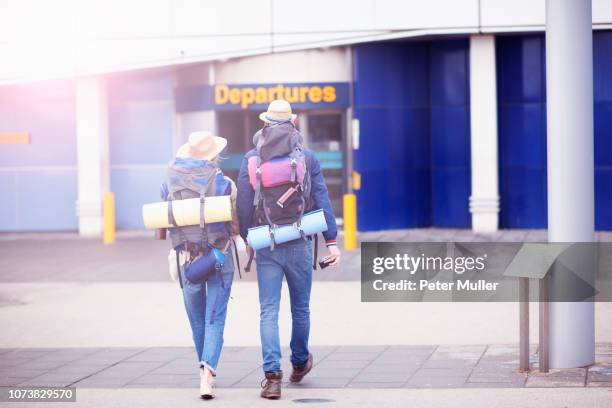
(178, 267)
(203, 230)
(257, 195)
(236, 256)
(315, 251)
(172, 220)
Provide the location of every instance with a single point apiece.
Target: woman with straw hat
(193, 173)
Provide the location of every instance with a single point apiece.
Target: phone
(323, 264)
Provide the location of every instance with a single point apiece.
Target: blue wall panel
(602, 89)
(412, 102)
(8, 204)
(57, 210)
(450, 133)
(391, 98)
(135, 187)
(44, 168)
(521, 81)
(522, 130)
(141, 114)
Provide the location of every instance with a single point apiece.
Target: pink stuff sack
(276, 172)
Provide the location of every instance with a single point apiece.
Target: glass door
(324, 134)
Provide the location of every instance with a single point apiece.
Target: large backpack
(185, 182)
(279, 177)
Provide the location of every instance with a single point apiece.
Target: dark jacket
(318, 194)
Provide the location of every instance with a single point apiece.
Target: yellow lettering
(221, 94)
(315, 94)
(271, 94)
(292, 94)
(329, 94)
(279, 91)
(248, 97)
(303, 92)
(234, 96)
(261, 96)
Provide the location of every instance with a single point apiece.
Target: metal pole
(524, 324)
(569, 87)
(544, 332)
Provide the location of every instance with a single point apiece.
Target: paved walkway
(47, 276)
(493, 366)
(138, 257)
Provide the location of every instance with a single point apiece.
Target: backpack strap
(236, 256)
(292, 157)
(247, 268)
(172, 220)
(204, 232)
(202, 223)
(178, 267)
(315, 251)
(257, 195)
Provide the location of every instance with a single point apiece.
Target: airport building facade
(437, 130)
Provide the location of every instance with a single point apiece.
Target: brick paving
(476, 366)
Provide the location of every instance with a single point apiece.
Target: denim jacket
(318, 194)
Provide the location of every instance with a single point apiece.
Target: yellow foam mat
(187, 212)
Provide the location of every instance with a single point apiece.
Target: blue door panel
(602, 65)
(523, 191)
(603, 133)
(412, 102)
(603, 198)
(450, 136)
(521, 97)
(393, 156)
(447, 185)
(450, 133)
(449, 64)
(522, 131)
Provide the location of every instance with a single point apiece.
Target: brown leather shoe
(272, 386)
(300, 372)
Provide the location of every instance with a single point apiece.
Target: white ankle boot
(206, 383)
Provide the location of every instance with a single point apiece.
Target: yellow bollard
(350, 221)
(108, 214)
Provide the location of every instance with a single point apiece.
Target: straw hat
(278, 111)
(202, 145)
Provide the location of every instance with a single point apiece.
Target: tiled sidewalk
(492, 366)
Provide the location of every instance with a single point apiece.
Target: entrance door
(323, 133)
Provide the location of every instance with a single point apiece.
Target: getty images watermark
(483, 272)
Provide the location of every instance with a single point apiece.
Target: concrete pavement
(106, 319)
(363, 398)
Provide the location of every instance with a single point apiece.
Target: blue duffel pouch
(200, 270)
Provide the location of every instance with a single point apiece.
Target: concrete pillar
(92, 153)
(569, 88)
(484, 201)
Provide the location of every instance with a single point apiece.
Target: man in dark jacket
(292, 260)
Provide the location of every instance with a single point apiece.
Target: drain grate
(313, 400)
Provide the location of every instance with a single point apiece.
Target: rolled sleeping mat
(187, 212)
(312, 223)
(200, 270)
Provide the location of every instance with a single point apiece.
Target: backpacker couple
(279, 180)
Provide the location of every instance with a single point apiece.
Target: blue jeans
(292, 260)
(206, 306)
